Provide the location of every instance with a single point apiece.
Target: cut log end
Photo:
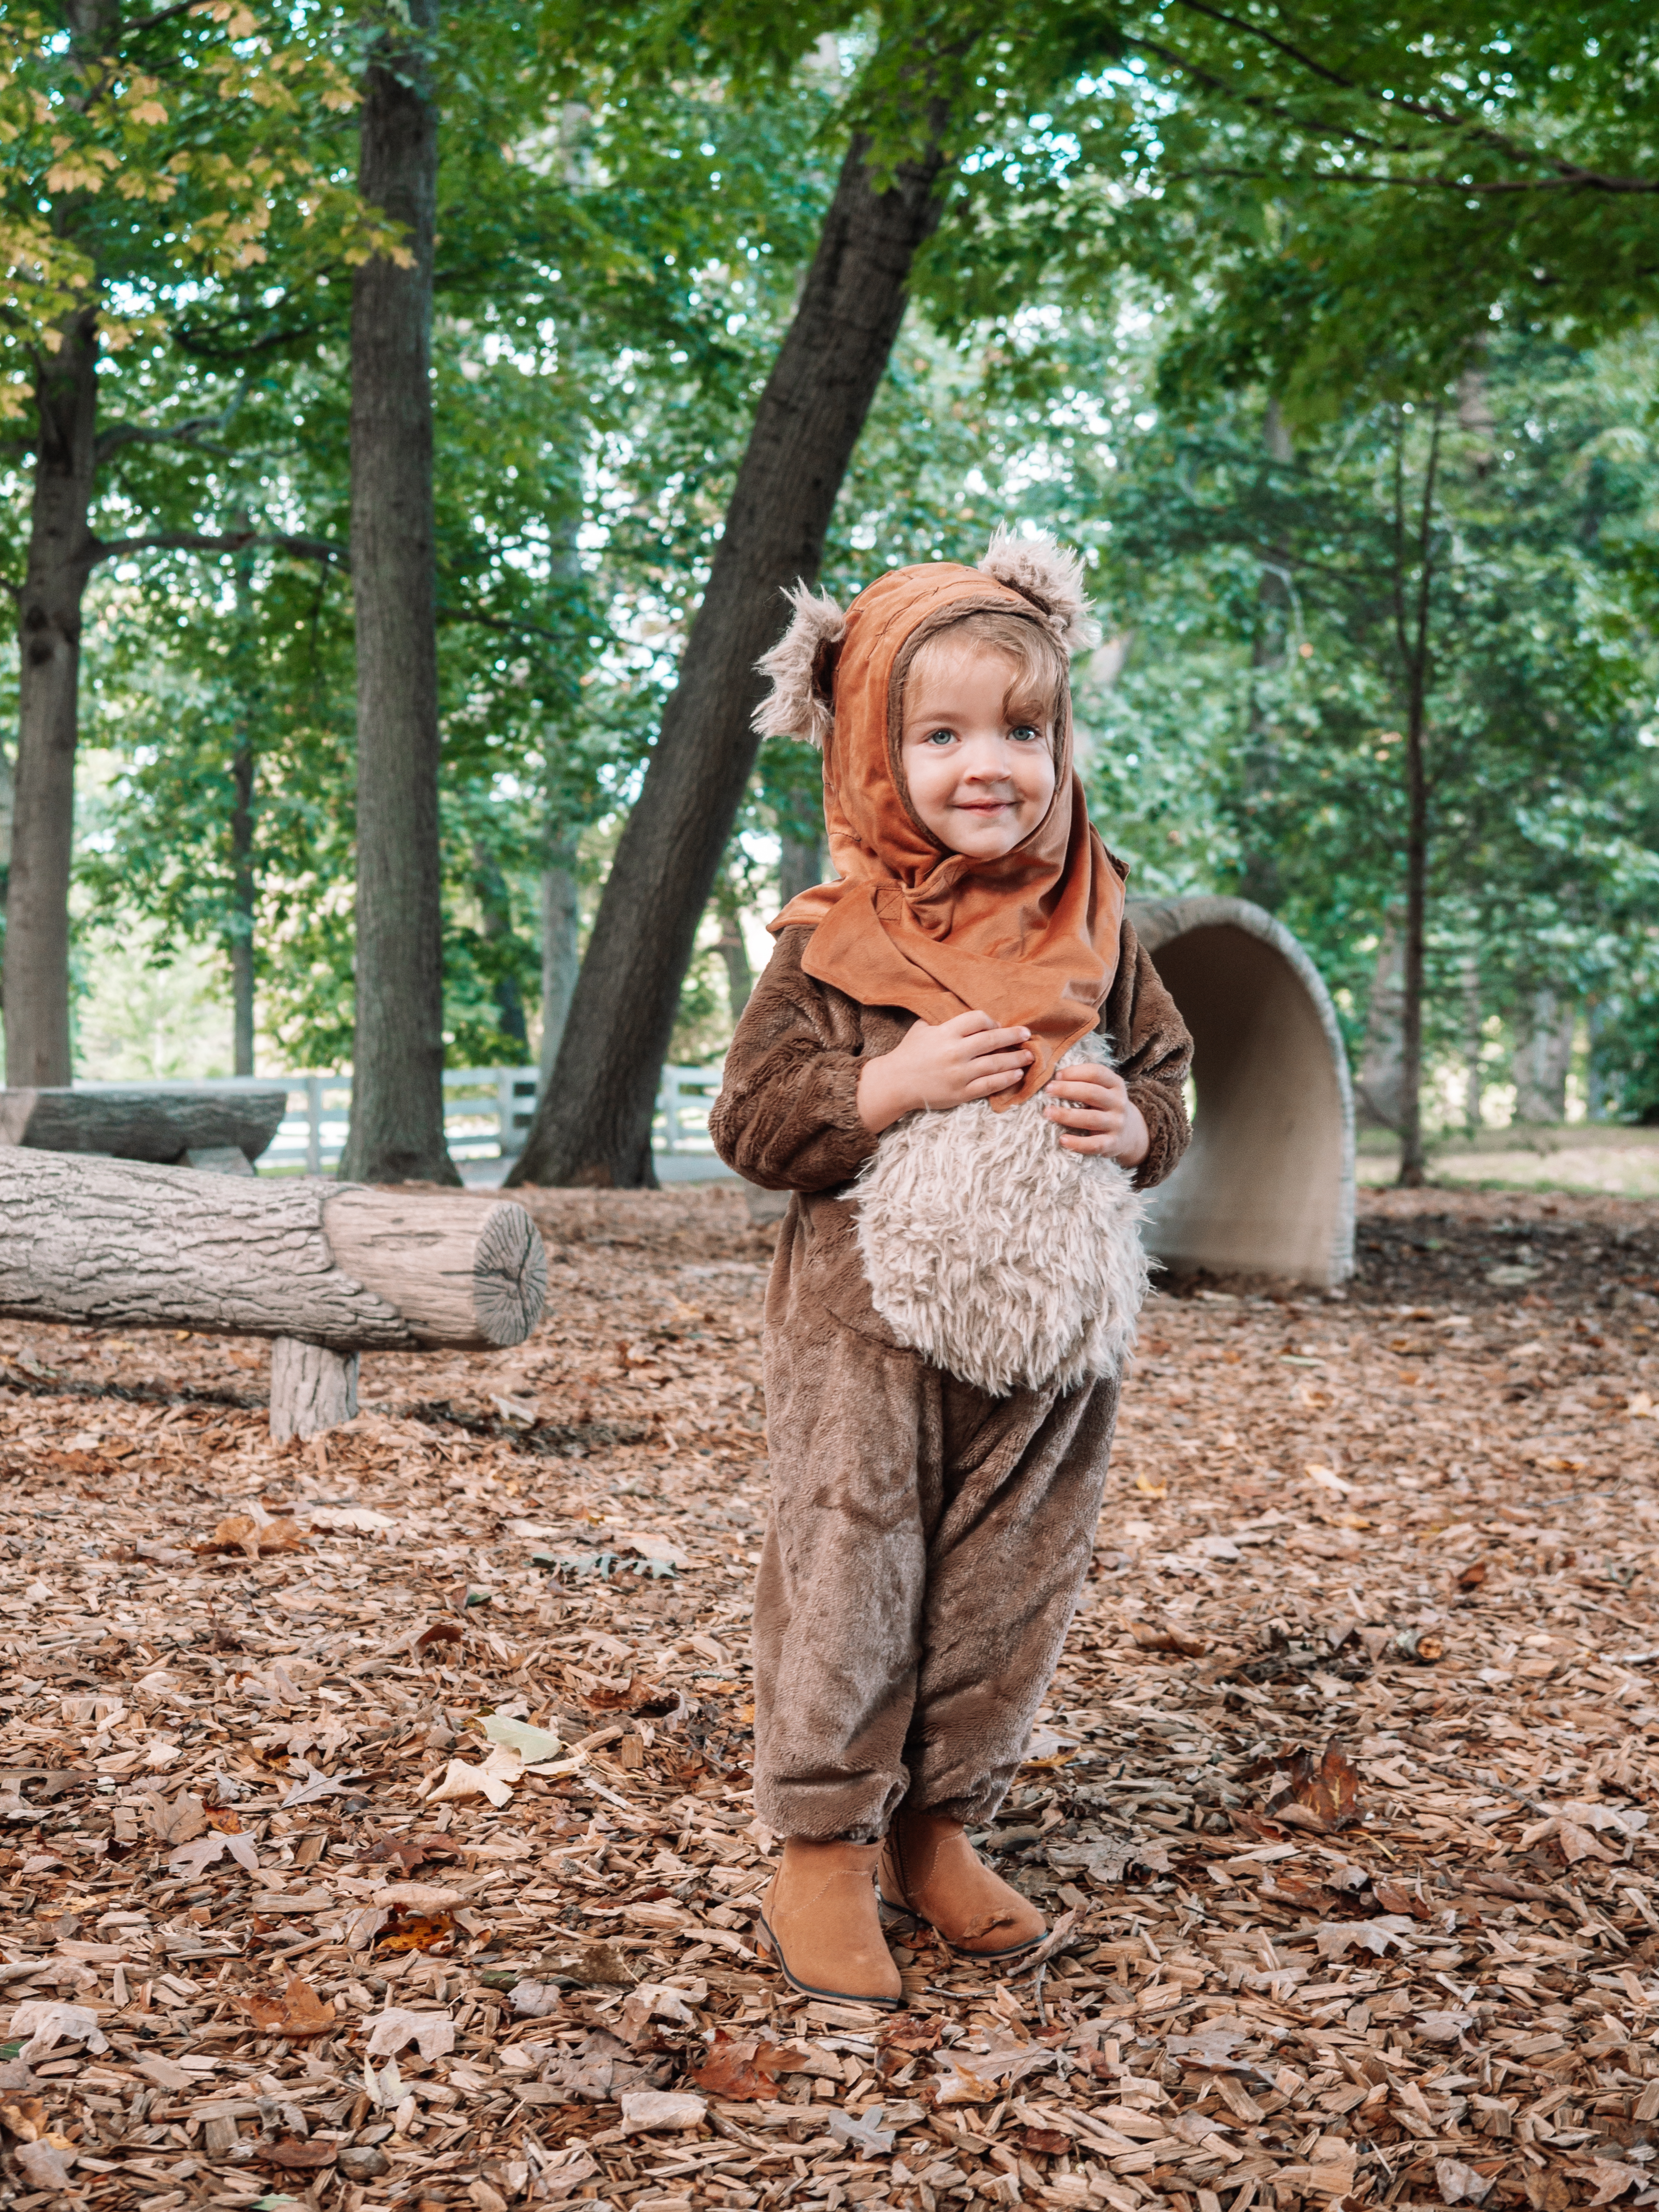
(312, 1388)
(510, 1275)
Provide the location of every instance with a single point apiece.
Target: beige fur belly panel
(997, 1255)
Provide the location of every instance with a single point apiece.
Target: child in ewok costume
(954, 1290)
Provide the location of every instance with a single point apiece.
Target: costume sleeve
(1152, 1052)
(787, 1115)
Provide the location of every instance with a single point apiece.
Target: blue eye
(1025, 733)
(939, 738)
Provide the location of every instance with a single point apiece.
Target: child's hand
(1101, 1113)
(941, 1063)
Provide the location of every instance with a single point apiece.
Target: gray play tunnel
(1266, 1185)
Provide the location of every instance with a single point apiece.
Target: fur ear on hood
(1052, 578)
(802, 667)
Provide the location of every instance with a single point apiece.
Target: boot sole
(885, 1908)
(774, 1951)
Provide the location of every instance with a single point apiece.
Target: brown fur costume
(928, 1541)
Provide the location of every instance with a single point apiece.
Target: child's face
(980, 777)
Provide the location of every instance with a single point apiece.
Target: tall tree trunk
(396, 1132)
(495, 913)
(734, 953)
(1260, 876)
(800, 867)
(1413, 1171)
(60, 559)
(241, 901)
(242, 781)
(593, 1123)
(562, 916)
(1472, 1040)
(1545, 1030)
(1377, 1094)
(1414, 623)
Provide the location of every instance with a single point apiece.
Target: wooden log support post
(327, 1270)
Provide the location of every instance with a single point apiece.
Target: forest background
(1330, 345)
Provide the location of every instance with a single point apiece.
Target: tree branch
(1445, 119)
(1580, 180)
(196, 541)
(188, 433)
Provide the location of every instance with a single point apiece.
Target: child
(958, 1274)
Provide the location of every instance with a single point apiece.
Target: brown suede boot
(821, 1924)
(929, 1869)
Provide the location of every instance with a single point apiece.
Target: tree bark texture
(1377, 1094)
(396, 1132)
(593, 1123)
(312, 1388)
(121, 1244)
(1260, 876)
(800, 867)
(60, 559)
(242, 906)
(1545, 1030)
(1413, 616)
(562, 915)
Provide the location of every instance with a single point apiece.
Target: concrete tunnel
(1267, 1186)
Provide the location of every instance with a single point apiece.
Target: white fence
(487, 1116)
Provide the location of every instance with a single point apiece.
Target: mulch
(376, 1813)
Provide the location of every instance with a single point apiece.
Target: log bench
(183, 1124)
(325, 1270)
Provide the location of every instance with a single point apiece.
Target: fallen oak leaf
(1327, 1786)
(495, 1779)
(441, 1632)
(1395, 1897)
(432, 2033)
(299, 2012)
(26, 2117)
(195, 1857)
(421, 1932)
(745, 2070)
(240, 1531)
(41, 2165)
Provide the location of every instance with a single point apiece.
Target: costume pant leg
(855, 1437)
(1006, 1561)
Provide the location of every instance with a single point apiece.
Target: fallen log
(147, 1121)
(326, 1270)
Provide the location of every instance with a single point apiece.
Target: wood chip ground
(1344, 1800)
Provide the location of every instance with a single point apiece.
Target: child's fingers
(986, 1086)
(979, 1024)
(1083, 1118)
(985, 1041)
(1103, 1086)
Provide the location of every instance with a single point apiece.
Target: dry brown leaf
(1150, 1638)
(744, 2069)
(441, 1632)
(26, 2117)
(1325, 1784)
(298, 2014)
(417, 1932)
(241, 1532)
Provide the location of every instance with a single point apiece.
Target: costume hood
(1030, 938)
